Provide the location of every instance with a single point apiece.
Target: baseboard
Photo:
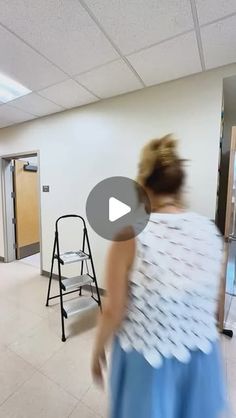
(2, 259)
(87, 287)
(47, 274)
(29, 250)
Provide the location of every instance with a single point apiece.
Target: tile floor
(41, 377)
(32, 260)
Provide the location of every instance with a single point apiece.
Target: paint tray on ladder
(73, 257)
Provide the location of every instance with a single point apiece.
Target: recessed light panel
(11, 89)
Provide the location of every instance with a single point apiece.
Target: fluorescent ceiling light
(11, 89)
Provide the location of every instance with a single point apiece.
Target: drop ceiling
(74, 52)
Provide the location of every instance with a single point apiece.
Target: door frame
(8, 206)
(228, 232)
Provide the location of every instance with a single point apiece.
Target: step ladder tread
(79, 306)
(73, 257)
(76, 282)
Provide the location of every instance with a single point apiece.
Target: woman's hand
(98, 363)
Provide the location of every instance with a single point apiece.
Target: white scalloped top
(173, 288)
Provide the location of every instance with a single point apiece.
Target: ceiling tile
(24, 65)
(210, 10)
(60, 29)
(219, 43)
(10, 115)
(133, 25)
(68, 94)
(168, 61)
(5, 124)
(110, 80)
(35, 104)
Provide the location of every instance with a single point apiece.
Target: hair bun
(157, 153)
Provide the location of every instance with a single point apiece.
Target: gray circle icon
(115, 204)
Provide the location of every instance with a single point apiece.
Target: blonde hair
(160, 167)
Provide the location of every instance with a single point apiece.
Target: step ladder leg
(93, 269)
(51, 273)
(82, 264)
(81, 272)
(63, 337)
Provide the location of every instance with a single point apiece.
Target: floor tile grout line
(88, 407)
(9, 344)
(29, 310)
(73, 410)
(58, 384)
(47, 377)
(26, 311)
(91, 409)
(77, 400)
(33, 365)
(26, 335)
(20, 357)
(38, 370)
(17, 390)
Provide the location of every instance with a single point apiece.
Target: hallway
(39, 375)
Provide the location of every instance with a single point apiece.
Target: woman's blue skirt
(175, 390)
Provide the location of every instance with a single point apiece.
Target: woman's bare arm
(120, 259)
(221, 302)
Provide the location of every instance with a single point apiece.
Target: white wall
(82, 146)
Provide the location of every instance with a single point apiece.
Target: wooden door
(26, 210)
(231, 192)
(229, 271)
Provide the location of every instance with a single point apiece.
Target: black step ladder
(74, 284)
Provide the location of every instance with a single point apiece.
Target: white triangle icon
(117, 209)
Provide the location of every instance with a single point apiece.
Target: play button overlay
(117, 209)
(115, 204)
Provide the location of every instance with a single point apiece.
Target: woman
(162, 291)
